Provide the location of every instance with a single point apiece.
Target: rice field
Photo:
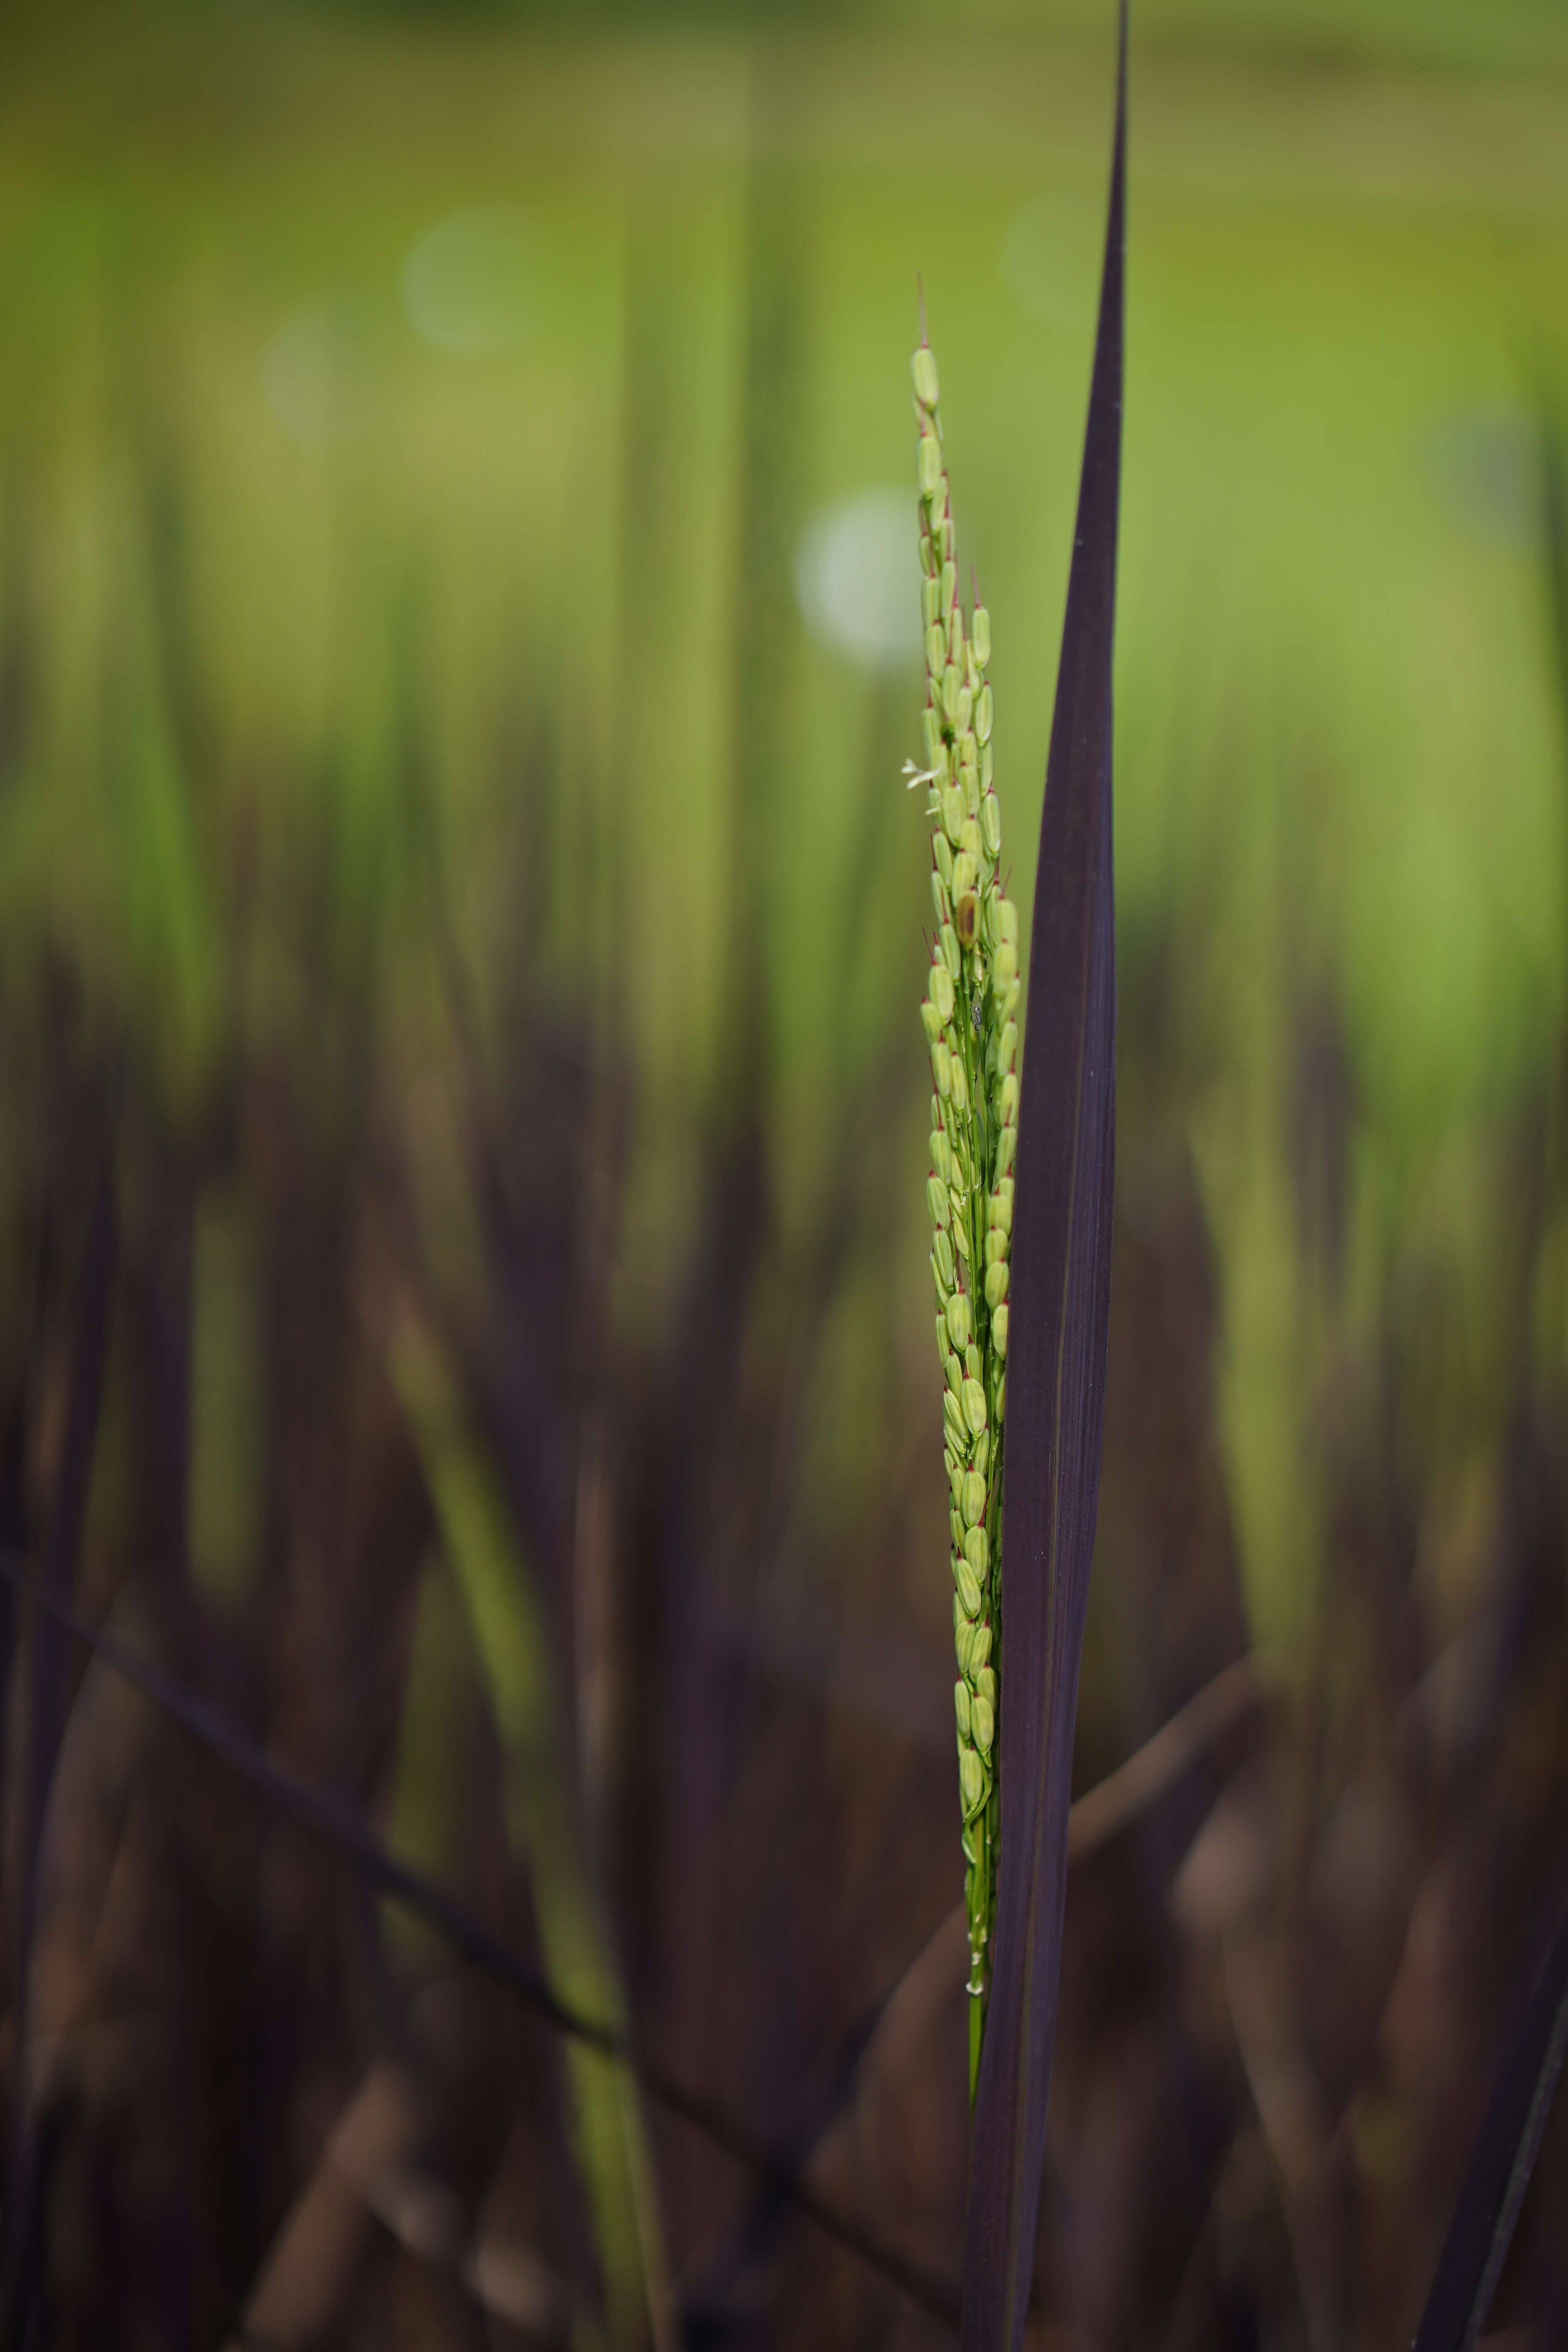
(459, 638)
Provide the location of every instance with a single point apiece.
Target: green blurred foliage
(1506, 34)
(398, 406)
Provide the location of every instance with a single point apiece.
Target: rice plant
(969, 1013)
(1046, 1293)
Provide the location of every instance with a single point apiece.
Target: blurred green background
(441, 346)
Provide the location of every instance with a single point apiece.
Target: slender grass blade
(1055, 1374)
(1483, 2223)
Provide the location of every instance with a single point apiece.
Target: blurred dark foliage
(1287, 1982)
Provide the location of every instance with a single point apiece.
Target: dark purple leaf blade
(1060, 1297)
(1504, 2156)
